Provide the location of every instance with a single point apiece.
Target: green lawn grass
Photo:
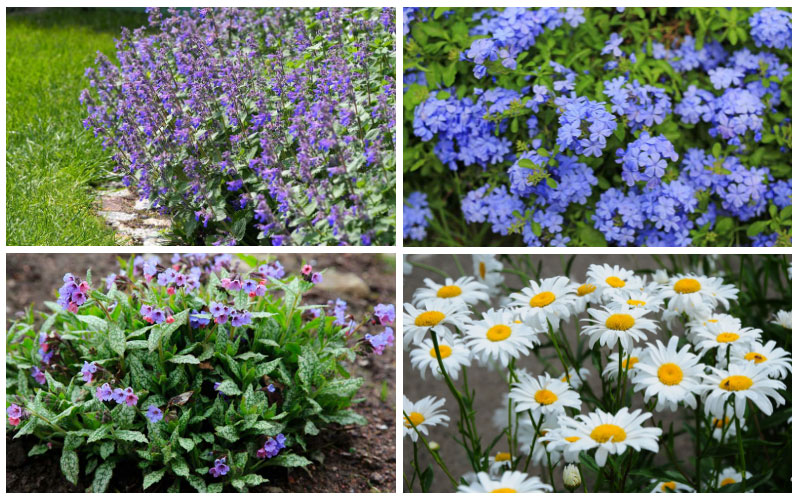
(52, 164)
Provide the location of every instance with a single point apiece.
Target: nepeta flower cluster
(271, 126)
(590, 143)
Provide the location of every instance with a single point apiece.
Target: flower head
(154, 414)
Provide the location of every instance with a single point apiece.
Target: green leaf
(552, 183)
(133, 436)
(215, 487)
(117, 339)
(591, 236)
(526, 163)
(724, 225)
(96, 324)
(38, 449)
(342, 388)
(184, 359)
(347, 417)
(99, 433)
(311, 429)
(106, 448)
(253, 479)
(197, 483)
(756, 227)
(186, 443)
(229, 388)
(180, 467)
(70, 465)
(289, 460)
(228, 432)
(716, 150)
(72, 441)
(102, 476)
(152, 478)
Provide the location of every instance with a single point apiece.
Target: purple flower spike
(105, 393)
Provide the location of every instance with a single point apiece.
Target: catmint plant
(200, 388)
(255, 126)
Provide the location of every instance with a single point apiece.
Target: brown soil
(346, 459)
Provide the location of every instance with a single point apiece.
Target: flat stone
(142, 205)
(115, 193)
(344, 283)
(153, 241)
(156, 222)
(117, 217)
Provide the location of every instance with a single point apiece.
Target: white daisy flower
(784, 319)
(574, 378)
(637, 299)
(670, 375)
(631, 360)
(454, 355)
(543, 396)
(542, 447)
(550, 301)
(626, 325)
(697, 295)
(425, 413)
(499, 337)
(660, 277)
(726, 427)
(488, 272)
(465, 289)
(731, 475)
(775, 360)
(723, 334)
(670, 487)
(742, 381)
(612, 434)
(509, 482)
(561, 441)
(499, 463)
(586, 295)
(433, 315)
(613, 281)
(698, 323)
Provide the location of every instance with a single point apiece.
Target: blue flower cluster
(464, 135)
(415, 216)
(644, 160)
(585, 125)
(499, 207)
(642, 105)
(772, 27)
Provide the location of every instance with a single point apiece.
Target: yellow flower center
(712, 320)
(414, 418)
(449, 291)
(445, 351)
(736, 383)
(504, 490)
(756, 357)
(482, 270)
(545, 397)
(670, 374)
(671, 486)
(608, 432)
(565, 378)
(635, 302)
(573, 439)
(620, 321)
(542, 299)
(585, 289)
(719, 424)
(726, 481)
(687, 286)
(727, 337)
(615, 282)
(628, 363)
(429, 319)
(498, 333)
(502, 457)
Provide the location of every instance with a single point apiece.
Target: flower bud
(571, 477)
(434, 446)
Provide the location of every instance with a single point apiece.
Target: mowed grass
(53, 165)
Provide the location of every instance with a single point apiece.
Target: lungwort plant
(196, 373)
(248, 126)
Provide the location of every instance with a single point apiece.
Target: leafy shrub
(256, 125)
(196, 370)
(672, 377)
(597, 126)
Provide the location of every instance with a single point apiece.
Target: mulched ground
(353, 459)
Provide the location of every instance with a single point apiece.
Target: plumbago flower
(601, 384)
(598, 126)
(219, 362)
(256, 126)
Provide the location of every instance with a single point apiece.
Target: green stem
(434, 454)
(428, 268)
(698, 445)
(739, 436)
(557, 349)
(458, 264)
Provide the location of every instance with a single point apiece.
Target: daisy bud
(434, 446)
(571, 477)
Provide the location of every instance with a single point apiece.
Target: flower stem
(434, 454)
(739, 436)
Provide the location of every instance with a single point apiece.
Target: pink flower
(306, 269)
